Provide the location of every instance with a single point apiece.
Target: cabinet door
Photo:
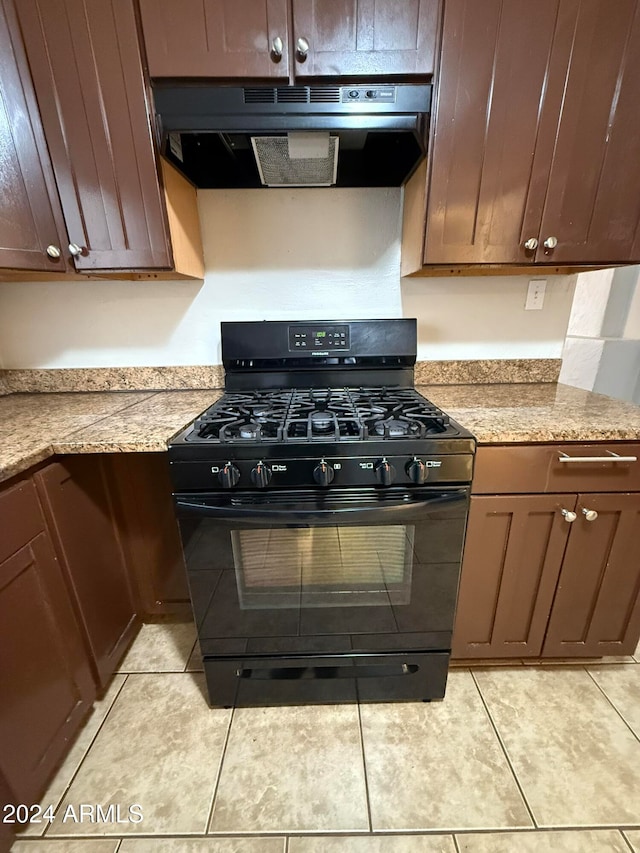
(30, 219)
(592, 205)
(80, 514)
(596, 610)
(47, 688)
(215, 38)
(493, 76)
(152, 543)
(512, 557)
(87, 71)
(365, 38)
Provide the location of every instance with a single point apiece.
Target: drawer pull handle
(569, 515)
(590, 514)
(612, 457)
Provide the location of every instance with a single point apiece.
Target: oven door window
(380, 573)
(324, 566)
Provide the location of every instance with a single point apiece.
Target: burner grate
(320, 414)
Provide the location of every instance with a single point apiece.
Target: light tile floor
(522, 759)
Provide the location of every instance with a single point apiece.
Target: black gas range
(322, 505)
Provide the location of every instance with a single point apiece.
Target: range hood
(345, 136)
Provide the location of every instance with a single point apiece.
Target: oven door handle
(405, 511)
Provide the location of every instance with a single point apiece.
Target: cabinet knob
(531, 244)
(590, 514)
(302, 49)
(53, 252)
(75, 249)
(569, 515)
(551, 242)
(276, 49)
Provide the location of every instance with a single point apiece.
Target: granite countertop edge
(31, 431)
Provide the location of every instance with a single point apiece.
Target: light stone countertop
(34, 427)
(505, 414)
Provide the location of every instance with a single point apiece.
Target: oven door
(323, 573)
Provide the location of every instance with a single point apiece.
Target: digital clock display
(316, 340)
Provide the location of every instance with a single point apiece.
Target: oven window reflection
(323, 566)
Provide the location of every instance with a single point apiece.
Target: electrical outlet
(535, 294)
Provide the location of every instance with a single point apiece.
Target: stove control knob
(416, 471)
(228, 475)
(385, 472)
(261, 475)
(323, 473)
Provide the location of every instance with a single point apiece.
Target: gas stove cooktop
(341, 413)
(318, 415)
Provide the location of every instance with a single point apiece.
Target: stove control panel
(321, 339)
(324, 472)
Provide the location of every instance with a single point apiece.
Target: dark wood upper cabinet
(216, 38)
(596, 610)
(47, 688)
(77, 499)
(592, 203)
(536, 134)
(364, 38)
(86, 65)
(238, 39)
(493, 74)
(512, 558)
(30, 216)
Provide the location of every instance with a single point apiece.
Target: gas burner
(248, 431)
(251, 430)
(321, 421)
(392, 428)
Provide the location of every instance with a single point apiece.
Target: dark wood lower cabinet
(76, 496)
(512, 559)
(7, 797)
(47, 686)
(596, 610)
(535, 584)
(150, 531)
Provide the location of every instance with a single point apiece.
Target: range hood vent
(224, 136)
(279, 166)
(292, 95)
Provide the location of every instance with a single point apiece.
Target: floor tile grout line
(120, 840)
(286, 843)
(506, 754)
(86, 752)
(613, 705)
(190, 655)
(626, 841)
(364, 767)
(155, 671)
(218, 777)
(342, 833)
(455, 842)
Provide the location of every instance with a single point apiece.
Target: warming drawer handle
(612, 457)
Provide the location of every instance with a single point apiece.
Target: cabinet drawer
(21, 518)
(536, 468)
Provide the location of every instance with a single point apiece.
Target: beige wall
(274, 254)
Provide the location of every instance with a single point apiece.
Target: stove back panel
(274, 354)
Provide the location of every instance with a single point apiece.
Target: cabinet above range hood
(346, 136)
